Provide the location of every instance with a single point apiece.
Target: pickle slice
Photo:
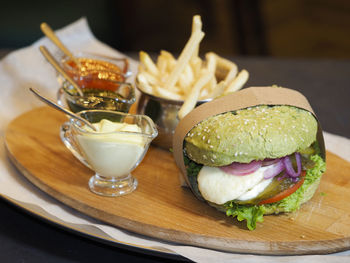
(279, 184)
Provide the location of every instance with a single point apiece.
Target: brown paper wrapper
(245, 98)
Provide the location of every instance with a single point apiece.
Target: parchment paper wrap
(245, 98)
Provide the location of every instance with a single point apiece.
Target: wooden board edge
(174, 236)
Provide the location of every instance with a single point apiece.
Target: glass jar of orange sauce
(93, 71)
(102, 80)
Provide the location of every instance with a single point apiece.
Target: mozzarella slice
(218, 187)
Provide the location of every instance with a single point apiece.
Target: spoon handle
(46, 29)
(56, 106)
(57, 66)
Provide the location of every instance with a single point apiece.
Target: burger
(255, 161)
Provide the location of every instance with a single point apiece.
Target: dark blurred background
(289, 28)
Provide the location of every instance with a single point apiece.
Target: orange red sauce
(95, 74)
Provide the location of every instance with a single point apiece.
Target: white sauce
(112, 154)
(219, 187)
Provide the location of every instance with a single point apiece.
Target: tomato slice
(286, 192)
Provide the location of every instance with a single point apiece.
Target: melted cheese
(219, 187)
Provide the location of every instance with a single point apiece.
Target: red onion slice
(241, 168)
(289, 167)
(268, 162)
(274, 170)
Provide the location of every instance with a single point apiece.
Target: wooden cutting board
(161, 208)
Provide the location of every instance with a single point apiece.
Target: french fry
(184, 58)
(143, 84)
(185, 83)
(151, 79)
(164, 77)
(218, 90)
(208, 88)
(196, 65)
(162, 64)
(178, 90)
(148, 63)
(227, 68)
(211, 61)
(203, 94)
(188, 72)
(186, 79)
(196, 27)
(231, 74)
(170, 60)
(165, 93)
(192, 97)
(211, 85)
(167, 55)
(238, 82)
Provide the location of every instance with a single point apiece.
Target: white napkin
(27, 67)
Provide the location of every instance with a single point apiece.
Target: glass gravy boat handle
(68, 140)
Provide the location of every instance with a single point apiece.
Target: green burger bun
(251, 134)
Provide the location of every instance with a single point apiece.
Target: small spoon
(57, 107)
(57, 66)
(46, 29)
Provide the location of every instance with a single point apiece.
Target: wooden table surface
(25, 238)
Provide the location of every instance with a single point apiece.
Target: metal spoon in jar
(57, 66)
(46, 29)
(57, 107)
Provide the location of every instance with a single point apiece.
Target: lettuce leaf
(193, 169)
(252, 214)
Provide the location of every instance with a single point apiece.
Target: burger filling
(248, 191)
